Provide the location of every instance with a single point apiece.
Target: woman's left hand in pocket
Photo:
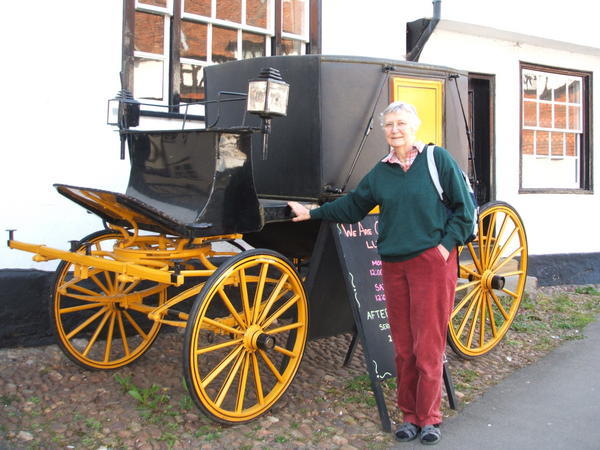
(445, 253)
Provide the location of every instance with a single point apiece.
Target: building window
(555, 138)
(173, 40)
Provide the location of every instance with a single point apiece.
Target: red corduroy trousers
(419, 297)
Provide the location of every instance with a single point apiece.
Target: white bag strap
(433, 172)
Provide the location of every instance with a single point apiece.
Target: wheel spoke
(491, 316)
(291, 326)
(109, 281)
(221, 366)
(499, 305)
(474, 257)
(273, 298)
(511, 293)
(135, 325)
(222, 326)
(483, 242)
(482, 319)
(86, 323)
(231, 308)
(270, 365)
(221, 346)
(84, 307)
(500, 247)
(463, 302)
(511, 274)
(474, 274)
(131, 286)
(101, 285)
(241, 392)
(287, 305)
(229, 379)
(498, 237)
(81, 289)
(285, 351)
(468, 313)
(506, 260)
(474, 323)
(257, 380)
(109, 337)
(244, 295)
(259, 291)
(123, 334)
(468, 285)
(96, 333)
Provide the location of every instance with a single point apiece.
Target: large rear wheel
(100, 321)
(245, 337)
(492, 275)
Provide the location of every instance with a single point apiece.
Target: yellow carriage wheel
(101, 322)
(491, 284)
(245, 337)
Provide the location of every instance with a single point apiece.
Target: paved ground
(553, 404)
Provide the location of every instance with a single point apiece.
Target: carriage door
(427, 98)
(481, 121)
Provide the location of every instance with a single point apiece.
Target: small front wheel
(245, 337)
(99, 321)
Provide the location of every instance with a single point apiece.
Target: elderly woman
(417, 245)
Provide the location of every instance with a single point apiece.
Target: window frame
(174, 15)
(586, 147)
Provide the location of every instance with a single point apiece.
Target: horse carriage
(202, 239)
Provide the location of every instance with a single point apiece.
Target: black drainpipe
(414, 53)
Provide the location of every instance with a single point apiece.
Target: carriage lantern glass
(268, 94)
(268, 97)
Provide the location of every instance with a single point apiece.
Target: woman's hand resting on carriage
(300, 212)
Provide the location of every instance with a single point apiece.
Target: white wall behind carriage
(61, 63)
(555, 223)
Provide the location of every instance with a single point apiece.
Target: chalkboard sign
(357, 248)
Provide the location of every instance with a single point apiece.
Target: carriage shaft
(123, 268)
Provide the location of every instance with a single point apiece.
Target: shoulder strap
(433, 172)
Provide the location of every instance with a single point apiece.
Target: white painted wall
(377, 27)
(61, 64)
(556, 223)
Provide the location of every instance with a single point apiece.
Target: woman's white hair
(394, 107)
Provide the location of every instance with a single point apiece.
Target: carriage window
(168, 68)
(554, 138)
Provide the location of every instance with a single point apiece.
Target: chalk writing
(358, 246)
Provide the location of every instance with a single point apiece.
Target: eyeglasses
(400, 124)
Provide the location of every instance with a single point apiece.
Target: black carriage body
(330, 102)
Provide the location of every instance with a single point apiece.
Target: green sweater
(412, 217)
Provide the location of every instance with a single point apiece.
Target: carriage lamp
(268, 98)
(124, 112)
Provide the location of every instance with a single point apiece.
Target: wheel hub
(255, 339)
(491, 281)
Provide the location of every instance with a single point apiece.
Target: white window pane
(148, 75)
(550, 173)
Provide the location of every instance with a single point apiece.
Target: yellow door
(427, 97)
